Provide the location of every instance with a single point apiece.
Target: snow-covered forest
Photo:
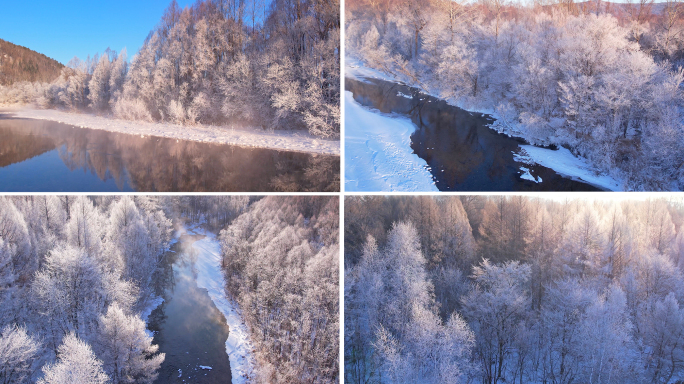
(269, 64)
(514, 289)
(75, 274)
(78, 277)
(281, 260)
(603, 79)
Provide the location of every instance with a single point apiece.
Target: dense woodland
(513, 289)
(19, 64)
(74, 274)
(281, 260)
(269, 64)
(603, 79)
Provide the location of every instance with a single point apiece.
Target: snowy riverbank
(562, 161)
(565, 163)
(378, 154)
(210, 277)
(154, 301)
(294, 141)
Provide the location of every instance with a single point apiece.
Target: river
(461, 151)
(46, 156)
(187, 326)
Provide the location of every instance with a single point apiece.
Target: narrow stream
(463, 153)
(187, 326)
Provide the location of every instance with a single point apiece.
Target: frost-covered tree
(62, 267)
(84, 228)
(128, 232)
(495, 307)
(128, 354)
(69, 292)
(7, 275)
(588, 298)
(601, 80)
(392, 305)
(665, 337)
(99, 91)
(280, 259)
(117, 77)
(606, 345)
(76, 363)
(14, 232)
(18, 350)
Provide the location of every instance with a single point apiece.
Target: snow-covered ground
(378, 154)
(210, 277)
(561, 161)
(565, 163)
(152, 303)
(296, 141)
(355, 69)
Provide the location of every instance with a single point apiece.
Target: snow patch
(378, 154)
(355, 69)
(293, 141)
(210, 277)
(566, 164)
(152, 303)
(527, 175)
(205, 367)
(404, 95)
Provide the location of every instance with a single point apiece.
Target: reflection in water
(114, 161)
(462, 152)
(188, 327)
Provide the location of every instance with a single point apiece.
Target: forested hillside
(281, 260)
(247, 63)
(19, 64)
(601, 80)
(513, 289)
(75, 272)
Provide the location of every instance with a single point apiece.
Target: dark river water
(46, 156)
(462, 152)
(187, 326)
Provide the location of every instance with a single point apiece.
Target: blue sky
(64, 29)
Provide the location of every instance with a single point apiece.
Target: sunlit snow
(565, 163)
(295, 141)
(210, 277)
(378, 154)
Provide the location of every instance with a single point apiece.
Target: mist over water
(37, 155)
(187, 326)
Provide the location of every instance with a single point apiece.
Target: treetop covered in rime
(281, 262)
(74, 274)
(600, 78)
(252, 63)
(534, 290)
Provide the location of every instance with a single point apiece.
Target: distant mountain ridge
(19, 63)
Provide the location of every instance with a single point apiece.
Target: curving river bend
(461, 151)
